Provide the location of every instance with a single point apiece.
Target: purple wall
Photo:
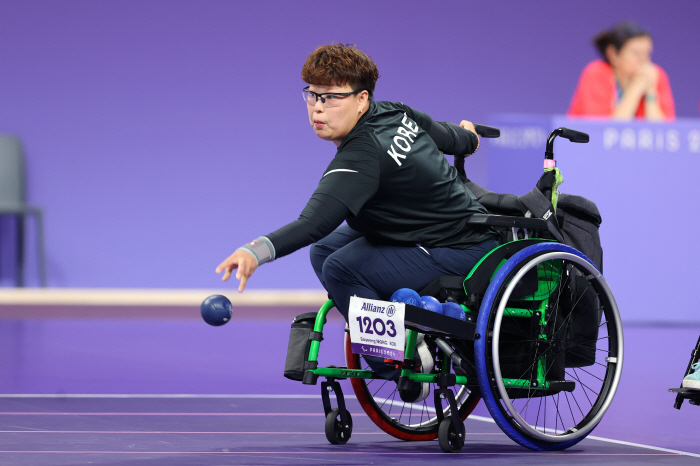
(163, 134)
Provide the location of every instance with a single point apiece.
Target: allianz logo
(658, 140)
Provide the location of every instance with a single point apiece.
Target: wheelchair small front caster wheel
(451, 440)
(336, 432)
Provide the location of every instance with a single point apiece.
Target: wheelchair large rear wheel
(549, 315)
(406, 421)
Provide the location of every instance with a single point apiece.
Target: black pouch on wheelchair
(580, 220)
(300, 338)
(581, 306)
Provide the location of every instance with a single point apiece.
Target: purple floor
(126, 355)
(249, 431)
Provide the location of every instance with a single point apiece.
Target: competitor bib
(377, 328)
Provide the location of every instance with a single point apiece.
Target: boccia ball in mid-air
(453, 310)
(431, 304)
(406, 295)
(216, 310)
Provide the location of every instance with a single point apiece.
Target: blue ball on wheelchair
(406, 295)
(453, 310)
(216, 310)
(431, 304)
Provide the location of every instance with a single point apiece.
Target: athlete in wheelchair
(541, 340)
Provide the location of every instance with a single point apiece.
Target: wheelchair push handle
(483, 131)
(570, 134)
(574, 136)
(487, 131)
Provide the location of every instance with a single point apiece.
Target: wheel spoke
(382, 386)
(544, 418)
(566, 396)
(592, 375)
(525, 407)
(556, 404)
(392, 401)
(584, 387)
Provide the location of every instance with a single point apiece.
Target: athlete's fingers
(225, 264)
(245, 264)
(230, 263)
(468, 125)
(241, 287)
(243, 267)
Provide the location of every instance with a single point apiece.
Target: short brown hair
(339, 64)
(618, 37)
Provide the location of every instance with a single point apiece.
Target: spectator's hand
(241, 260)
(468, 125)
(651, 76)
(646, 79)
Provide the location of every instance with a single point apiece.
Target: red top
(597, 93)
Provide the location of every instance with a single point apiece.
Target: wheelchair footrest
(341, 373)
(562, 385)
(523, 390)
(690, 394)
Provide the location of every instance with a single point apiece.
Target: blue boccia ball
(216, 310)
(453, 310)
(431, 304)
(406, 295)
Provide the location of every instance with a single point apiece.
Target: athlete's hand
(241, 260)
(468, 125)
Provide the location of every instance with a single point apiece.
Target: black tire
(582, 368)
(451, 440)
(336, 432)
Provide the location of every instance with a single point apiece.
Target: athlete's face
(334, 123)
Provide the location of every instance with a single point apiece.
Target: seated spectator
(625, 83)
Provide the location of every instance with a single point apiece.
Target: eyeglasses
(328, 99)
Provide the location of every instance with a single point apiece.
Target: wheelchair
(541, 342)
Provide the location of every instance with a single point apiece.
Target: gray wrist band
(261, 248)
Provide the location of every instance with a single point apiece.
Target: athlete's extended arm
(321, 216)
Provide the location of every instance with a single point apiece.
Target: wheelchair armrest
(508, 221)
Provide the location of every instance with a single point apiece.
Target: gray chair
(13, 202)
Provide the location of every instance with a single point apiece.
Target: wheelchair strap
(316, 336)
(541, 207)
